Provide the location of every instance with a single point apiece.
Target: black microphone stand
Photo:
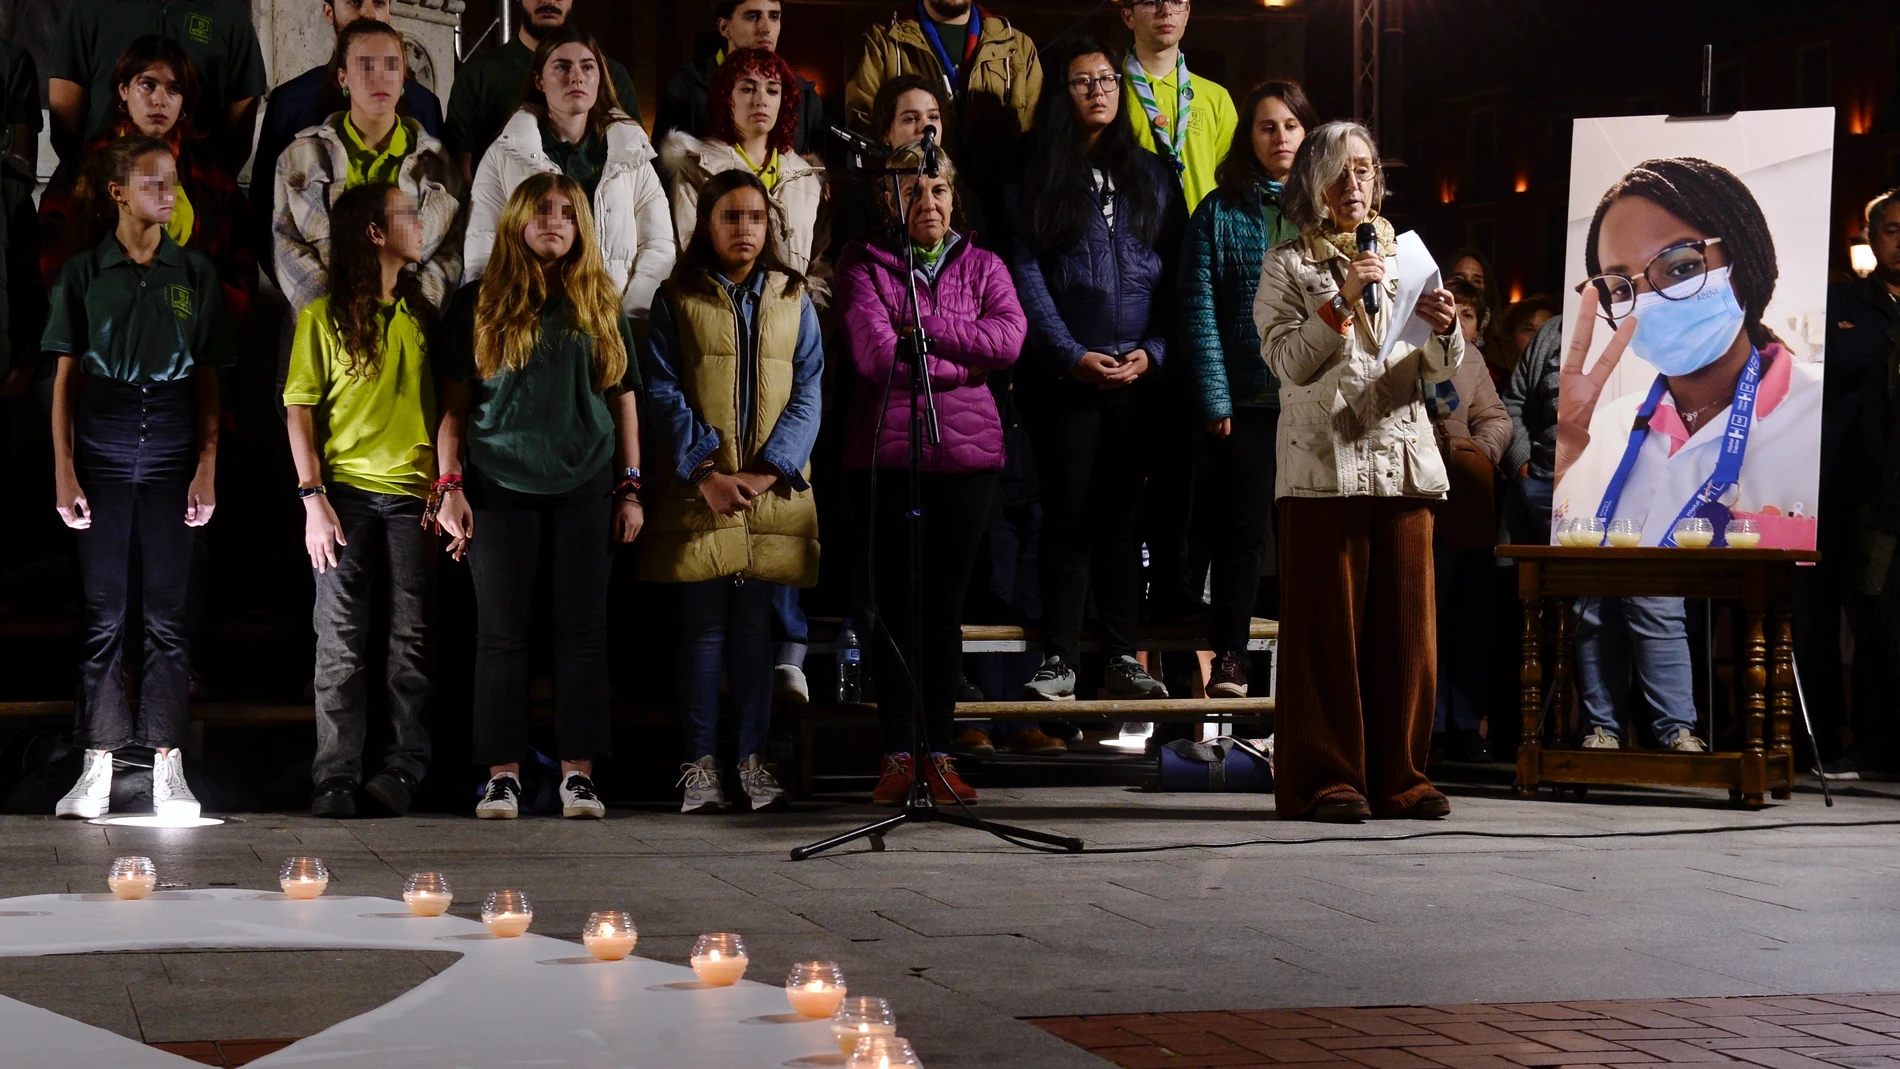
(913, 350)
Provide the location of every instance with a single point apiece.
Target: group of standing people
(495, 314)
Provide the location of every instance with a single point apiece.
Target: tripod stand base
(919, 809)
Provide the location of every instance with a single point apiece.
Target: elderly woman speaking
(1358, 472)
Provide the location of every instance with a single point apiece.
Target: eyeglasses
(1149, 7)
(1360, 174)
(1086, 86)
(1676, 274)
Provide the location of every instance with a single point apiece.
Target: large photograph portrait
(1694, 318)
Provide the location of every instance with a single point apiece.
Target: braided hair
(1711, 199)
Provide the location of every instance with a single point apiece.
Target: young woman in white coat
(570, 121)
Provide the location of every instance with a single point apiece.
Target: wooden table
(1761, 580)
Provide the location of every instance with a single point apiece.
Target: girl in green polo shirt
(360, 405)
(136, 326)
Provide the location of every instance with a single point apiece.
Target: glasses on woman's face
(1085, 86)
(1358, 174)
(1149, 7)
(1676, 274)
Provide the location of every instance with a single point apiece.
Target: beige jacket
(796, 199)
(1480, 415)
(1350, 426)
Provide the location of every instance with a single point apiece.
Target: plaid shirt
(218, 209)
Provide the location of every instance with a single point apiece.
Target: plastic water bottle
(850, 665)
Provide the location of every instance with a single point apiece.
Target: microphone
(858, 143)
(1369, 240)
(930, 151)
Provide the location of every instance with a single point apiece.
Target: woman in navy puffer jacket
(969, 310)
(1096, 223)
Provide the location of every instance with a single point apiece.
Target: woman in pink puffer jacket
(970, 311)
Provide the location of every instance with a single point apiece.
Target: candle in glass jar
(304, 889)
(815, 988)
(848, 1035)
(508, 925)
(427, 894)
(132, 877)
(1743, 534)
(1625, 533)
(303, 877)
(610, 935)
(720, 969)
(507, 913)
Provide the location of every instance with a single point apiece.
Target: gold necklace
(1690, 419)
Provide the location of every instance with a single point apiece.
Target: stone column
(295, 38)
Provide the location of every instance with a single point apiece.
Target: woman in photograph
(1682, 266)
(1359, 474)
(539, 450)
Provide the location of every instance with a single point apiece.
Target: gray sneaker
(703, 792)
(1600, 739)
(761, 787)
(1053, 682)
(1126, 678)
(1684, 742)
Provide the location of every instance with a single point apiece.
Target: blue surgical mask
(1681, 336)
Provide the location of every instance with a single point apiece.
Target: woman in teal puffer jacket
(1239, 399)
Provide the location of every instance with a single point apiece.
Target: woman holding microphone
(1358, 472)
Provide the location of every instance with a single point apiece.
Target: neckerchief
(368, 164)
(1170, 134)
(954, 68)
(1347, 241)
(767, 171)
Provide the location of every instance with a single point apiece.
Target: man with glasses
(989, 72)
(1182, 117)
(741, 24)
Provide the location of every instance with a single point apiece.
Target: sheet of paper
(1418, 275)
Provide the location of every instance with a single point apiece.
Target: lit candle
(882, 1052)
(507, 913)
(303, 877)
(815, 988)
(860, 1017)
(848, 1035)
(610, 935)
(427, 894)
(132, 877)
(719, 958)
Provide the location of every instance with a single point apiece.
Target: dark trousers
(135, 451)
(1093, 451)
(1235, 498)
(726, 624)
(384, 538)
(1463, 588)
(956, 508)
(1358, 652)
(513, 531)
(1175, 570)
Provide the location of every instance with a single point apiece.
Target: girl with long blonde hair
(540, 446)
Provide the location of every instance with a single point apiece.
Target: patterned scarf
(1347, 241)
(1170, 134)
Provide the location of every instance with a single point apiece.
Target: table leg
(1781, 700)
(1530, 674)
(1754, 770)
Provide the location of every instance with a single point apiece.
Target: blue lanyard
(952, 69)
(1728, 465)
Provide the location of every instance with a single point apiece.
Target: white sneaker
(171, 796)
(578, 798)
(1686, 743)
(703, 792)
(1600, 739)
(761, 788)
(502, 799)
(92, 795)
(788, 684)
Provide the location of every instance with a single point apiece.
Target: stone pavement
(969, 936)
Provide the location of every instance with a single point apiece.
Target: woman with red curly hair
(754, 101)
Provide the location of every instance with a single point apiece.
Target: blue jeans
(1654, 634)
(790, 633)
(726, 622)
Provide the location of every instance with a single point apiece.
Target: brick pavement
(1777, 1032)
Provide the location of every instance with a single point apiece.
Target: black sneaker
(334, 797)
(1468, 747)
(393, 789)
(968, 691)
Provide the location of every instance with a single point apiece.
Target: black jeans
(135, 450)
(1235, 496)
(512, 531)
(384, 536)
(956, 507)
(1093, 452)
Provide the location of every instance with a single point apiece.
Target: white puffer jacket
(636, 237)
(795, 199)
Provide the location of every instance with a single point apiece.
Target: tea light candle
(883, 1052)
(428, 894)
(815, 988)
(1625, 533)
(860, 1017)
(132, 877)
(1694, 532)
(1743, 534)
(303, 878)
(507, 913)
(610, 935)
(719, 958)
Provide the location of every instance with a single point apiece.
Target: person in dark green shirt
(136, 329)
(539, 450)
(216, 34)
(488, 87)
(20, 102)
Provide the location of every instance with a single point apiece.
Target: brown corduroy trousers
(1358, 652)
